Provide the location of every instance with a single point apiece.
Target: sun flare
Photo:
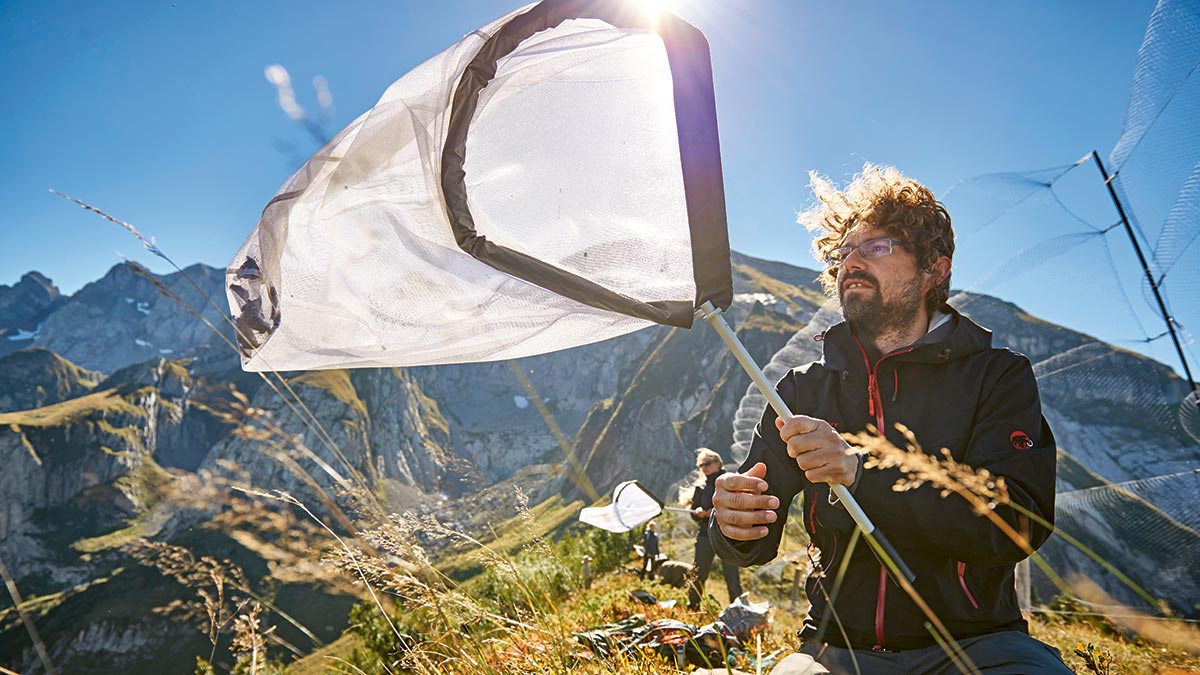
(655, 8)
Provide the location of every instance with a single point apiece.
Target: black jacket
(702, 499)
(953, 390)
(649, 544)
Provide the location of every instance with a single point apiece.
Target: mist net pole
(879, 544)
(1162, 306)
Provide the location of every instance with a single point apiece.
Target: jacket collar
(954, 339)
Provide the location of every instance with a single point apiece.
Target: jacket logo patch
(1020, 440)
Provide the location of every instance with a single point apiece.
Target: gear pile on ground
(714, 645)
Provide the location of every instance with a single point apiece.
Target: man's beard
(874, 317)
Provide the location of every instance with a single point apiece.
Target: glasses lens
(876, 248)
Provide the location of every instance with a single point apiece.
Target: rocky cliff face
(100, 455)
(373, 425)
(682, 395)
(113, 646)
(495, 420)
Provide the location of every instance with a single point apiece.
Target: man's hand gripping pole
(879, 543)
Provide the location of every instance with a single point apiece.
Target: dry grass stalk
(220, 585)
(983, 491)
(39, 646)
(249, 638)
(356, 560)
(1170, 633)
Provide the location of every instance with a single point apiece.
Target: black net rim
(699, 149)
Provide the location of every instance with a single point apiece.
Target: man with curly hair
(902, 355)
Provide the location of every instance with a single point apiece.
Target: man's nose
(854, 260)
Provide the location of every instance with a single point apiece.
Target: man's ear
(941, 269)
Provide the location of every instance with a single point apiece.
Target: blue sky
(159, 113)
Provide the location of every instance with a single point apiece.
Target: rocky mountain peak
(36, 278)
(25, 304)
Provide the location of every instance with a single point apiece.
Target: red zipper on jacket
(874, 400)
(880, 601)
(875, 409)
(962, 581)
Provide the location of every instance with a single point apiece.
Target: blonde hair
(704, 455)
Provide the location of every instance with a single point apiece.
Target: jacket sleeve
(1009, 438)
(784, 480)
(695, 504)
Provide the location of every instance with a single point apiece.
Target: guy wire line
(1133, 230)
(1037, 185)
(1070, 212)
(1112, 263)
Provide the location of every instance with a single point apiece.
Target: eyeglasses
(872, 248)
(710, 462)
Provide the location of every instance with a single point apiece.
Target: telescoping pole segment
(879, 543)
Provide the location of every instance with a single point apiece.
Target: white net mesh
(572, 158)
(631, 506)
(1155, 165)
(565, 161)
